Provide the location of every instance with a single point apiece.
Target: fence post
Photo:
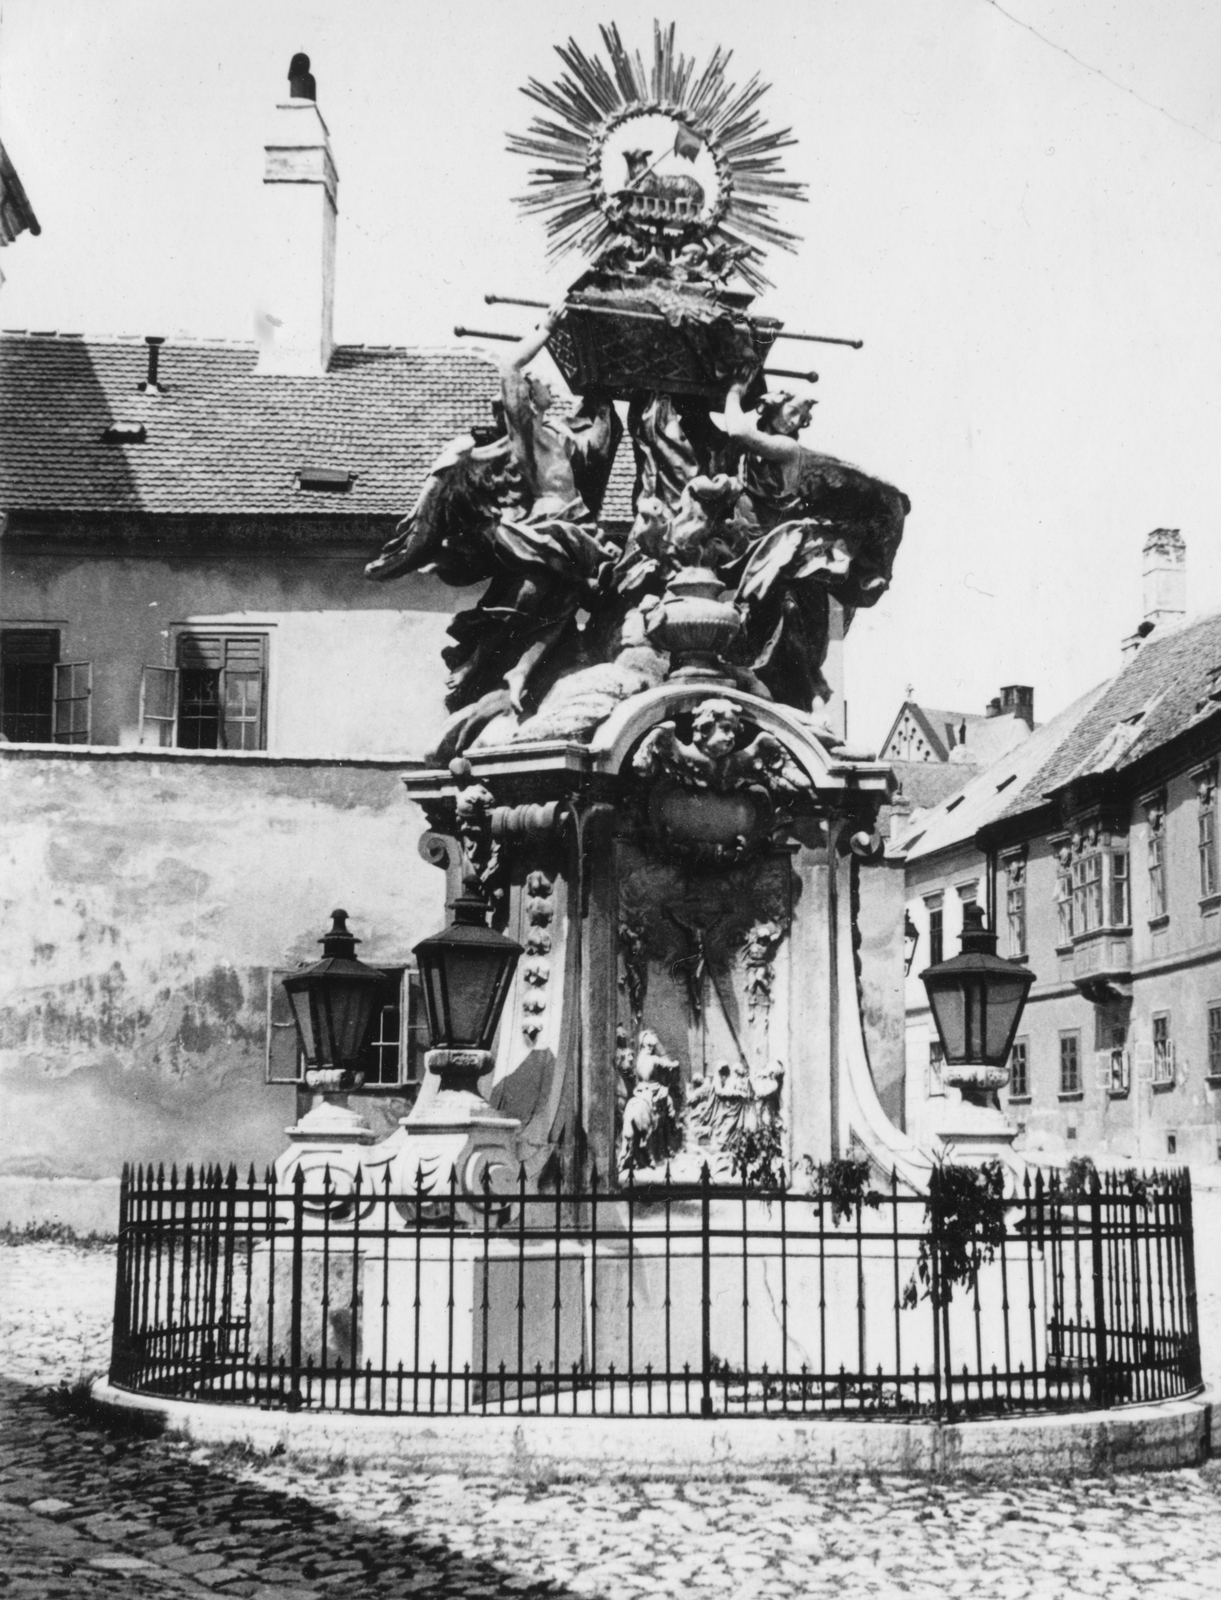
(294, 1336)
(706, 1291)
(121, 1335)
(934, 1253)
(1194, 1373)
(1102, 1377)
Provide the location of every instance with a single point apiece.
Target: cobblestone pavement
(89, 1512)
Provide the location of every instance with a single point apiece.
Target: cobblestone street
(86, 1511)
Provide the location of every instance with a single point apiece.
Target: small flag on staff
(686, 143)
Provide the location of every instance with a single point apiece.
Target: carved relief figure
(732, 1113)
(650, 1117)
(758, 955)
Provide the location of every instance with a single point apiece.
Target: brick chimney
(1165, 586)
(300, 205)
(1017, 700)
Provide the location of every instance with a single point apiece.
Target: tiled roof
(1172, 683)
(927, 783)
(984, 798)
(221, 440)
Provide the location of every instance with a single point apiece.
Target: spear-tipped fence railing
(672, 1299)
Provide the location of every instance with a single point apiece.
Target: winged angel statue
(571, 619)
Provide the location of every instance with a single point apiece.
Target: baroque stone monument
(639, 775)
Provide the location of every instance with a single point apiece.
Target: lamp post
(976, 999)
(332, 1003)
(465, 973)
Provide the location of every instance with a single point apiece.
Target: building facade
(1094, 849)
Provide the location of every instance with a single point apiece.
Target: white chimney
(300, 188)
(1165, 574)
(1165, 586)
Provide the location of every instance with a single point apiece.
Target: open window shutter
(159, 707)
(206, 650)
(73, 702)
(415, 1028)
(1144, 1061)
(1102, 1069)
(243, 691)
(283, 1049)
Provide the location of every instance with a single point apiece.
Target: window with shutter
(214, 699)
(159, 707)
(73, 701)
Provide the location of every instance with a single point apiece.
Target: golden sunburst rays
(585, 106)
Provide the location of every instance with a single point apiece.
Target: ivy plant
(845, 1182)
(965, 1213)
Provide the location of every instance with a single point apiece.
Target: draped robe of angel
(822, 528)
(520, 512)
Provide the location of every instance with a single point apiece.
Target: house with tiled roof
(207, 709)
(174, 510)
(1095, 848)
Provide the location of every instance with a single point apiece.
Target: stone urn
(695, 625)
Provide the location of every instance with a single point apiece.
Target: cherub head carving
(715, 728)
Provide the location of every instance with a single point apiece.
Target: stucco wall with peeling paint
(145, 896)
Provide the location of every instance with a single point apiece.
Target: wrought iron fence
(675, 1300)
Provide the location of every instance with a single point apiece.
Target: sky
(1017, 210)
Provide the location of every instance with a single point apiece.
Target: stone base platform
(1171, 1433)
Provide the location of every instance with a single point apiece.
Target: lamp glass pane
(949, 1011)
(436, 1007)
(351, 1002)
(303, 1016)
(1005, 997)
(474, 987)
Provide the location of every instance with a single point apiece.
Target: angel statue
(713, 760)
(821, 528)
(519, 510)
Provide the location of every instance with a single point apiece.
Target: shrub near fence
(671, 1300)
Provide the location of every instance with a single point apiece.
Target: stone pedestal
(972, 1128)
(453, 1135)
(331, 1135)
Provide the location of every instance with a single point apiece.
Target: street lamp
(976, 999)
(911, 938)
(332, 1004)
(465, 972)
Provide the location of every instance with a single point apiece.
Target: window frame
(1065, 929)
(1097, 876)
(935, 1069)
(1206, 848)
(1070, 1048)
(1020, 1094)
(1205, 780)
(35, 669)
(164, 728)
(1163, 1050)
(1213, 1037)
(1016, 924)
(934, 906)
